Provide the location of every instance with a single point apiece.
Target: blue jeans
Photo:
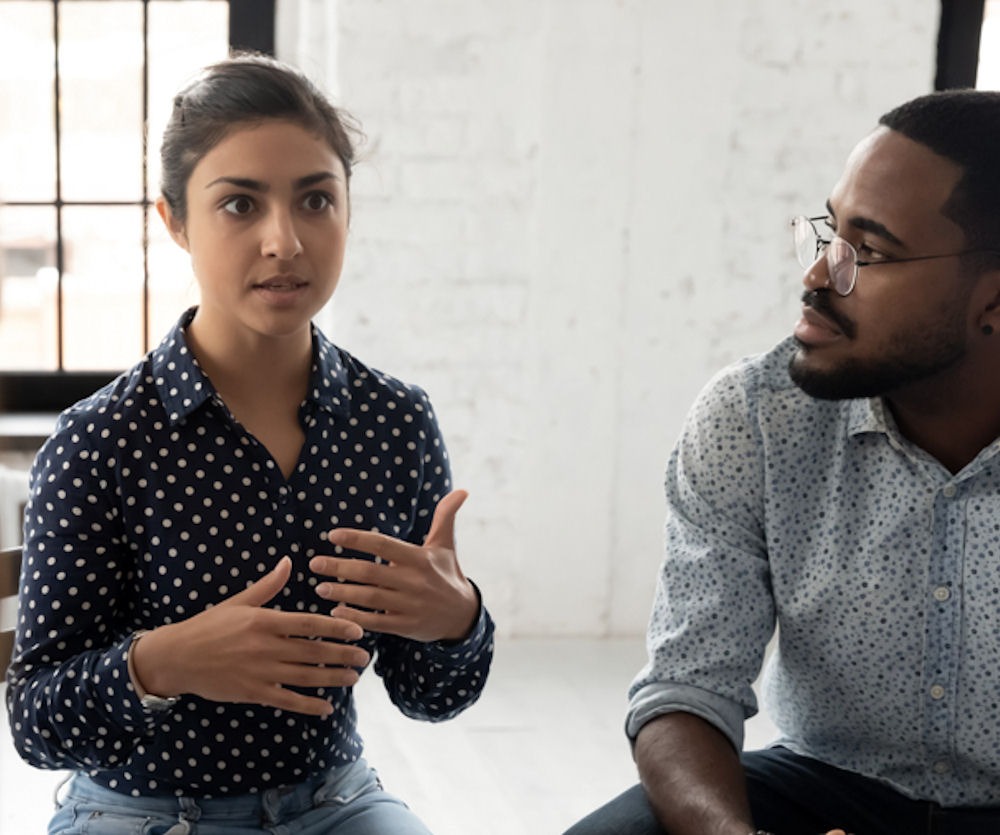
(347, 801)
(795, 795)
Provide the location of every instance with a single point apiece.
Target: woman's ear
(174, 226)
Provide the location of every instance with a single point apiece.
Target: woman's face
(266, 228)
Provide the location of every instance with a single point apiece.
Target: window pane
(183, 38)
(102, 287)
(100, 64)
(988, 74)
(101, 120)
(172, 288)
(28, 288)
(27, 73)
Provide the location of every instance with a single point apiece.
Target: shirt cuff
(130, 715)
(469, 647)
(658, 698)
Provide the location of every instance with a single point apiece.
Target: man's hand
(240, 652)
(417, 592)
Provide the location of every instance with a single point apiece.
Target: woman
(219, 541)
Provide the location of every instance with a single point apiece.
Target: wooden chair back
(10, 573)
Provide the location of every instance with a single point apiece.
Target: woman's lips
(281, 291)
(280, 284)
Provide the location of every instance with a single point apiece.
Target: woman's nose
(281, 240)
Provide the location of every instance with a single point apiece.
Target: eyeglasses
(842, 260)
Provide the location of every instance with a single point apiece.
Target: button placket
(943, 620)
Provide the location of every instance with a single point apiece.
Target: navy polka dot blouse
(150, 503)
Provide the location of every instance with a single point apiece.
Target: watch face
(156, 704)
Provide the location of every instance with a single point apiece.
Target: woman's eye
(317, 201)
(238, 205)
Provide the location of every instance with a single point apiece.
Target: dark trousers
(793, 795)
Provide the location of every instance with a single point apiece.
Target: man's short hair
(963, 126)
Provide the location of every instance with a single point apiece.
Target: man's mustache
(819, 300)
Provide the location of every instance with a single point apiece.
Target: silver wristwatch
(149, 701)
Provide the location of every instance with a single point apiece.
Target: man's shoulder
(758, 391)
(773, 365)
(754, 377)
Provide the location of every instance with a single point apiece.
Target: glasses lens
(806, 241)
(841, 261)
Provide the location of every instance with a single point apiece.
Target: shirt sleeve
(70, 701)
(713, 612)
(437, 680)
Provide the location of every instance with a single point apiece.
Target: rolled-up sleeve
(713, 611)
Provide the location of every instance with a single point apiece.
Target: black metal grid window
(958, 43)
(82, 263)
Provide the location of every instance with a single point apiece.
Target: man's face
(903, 323)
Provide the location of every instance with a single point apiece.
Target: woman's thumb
(265, 588)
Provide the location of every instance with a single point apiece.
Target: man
(846, 486)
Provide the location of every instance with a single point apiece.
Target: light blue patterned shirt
(881, 567)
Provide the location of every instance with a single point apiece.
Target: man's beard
(908, 358)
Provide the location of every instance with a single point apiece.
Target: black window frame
(251, 27)
(959, 34)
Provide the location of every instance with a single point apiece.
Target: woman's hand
(418, 592)
(238, 651)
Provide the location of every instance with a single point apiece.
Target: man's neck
(954, 422)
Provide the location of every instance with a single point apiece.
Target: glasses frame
(823, 247)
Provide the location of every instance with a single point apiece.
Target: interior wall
(569, 215)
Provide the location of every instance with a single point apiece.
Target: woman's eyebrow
(240, 182)
(256, 185)
(312, 179)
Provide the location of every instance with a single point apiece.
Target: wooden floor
(543, 746)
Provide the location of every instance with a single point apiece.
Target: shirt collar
(184, 387)
(868, 414)
(871, 414)
(328, 385)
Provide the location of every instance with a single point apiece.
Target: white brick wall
(571, 213)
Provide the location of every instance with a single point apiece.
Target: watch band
(149, 701)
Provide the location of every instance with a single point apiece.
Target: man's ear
(174, 226)
(989, 316)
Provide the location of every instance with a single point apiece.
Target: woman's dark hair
(243, 90)
(963, 126)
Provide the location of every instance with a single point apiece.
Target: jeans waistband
(270, 804)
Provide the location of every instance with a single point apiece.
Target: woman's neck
(247, 367)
